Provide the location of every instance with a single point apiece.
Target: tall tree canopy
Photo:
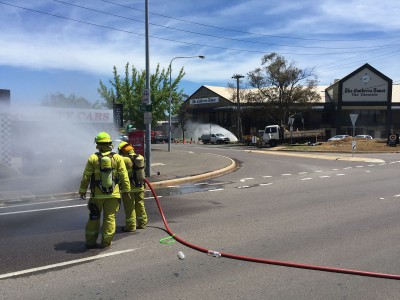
(128, 91)
(284, 88)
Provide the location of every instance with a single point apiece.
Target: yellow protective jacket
(93, 168)
(129, 167)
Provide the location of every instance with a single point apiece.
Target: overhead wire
(216, 36)
(368, 49)
(247, 32)
(171, 40)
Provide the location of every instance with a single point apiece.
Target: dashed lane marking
(245, 179)
(215, 190)
(42, 209)
(308, 178)
(66, 263)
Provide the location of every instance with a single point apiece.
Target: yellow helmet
(103, 137)
(124, 148)
(121, 145)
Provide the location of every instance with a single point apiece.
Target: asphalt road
(310, 211)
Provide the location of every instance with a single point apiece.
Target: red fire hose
(268, 261)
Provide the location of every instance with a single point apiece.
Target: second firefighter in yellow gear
(135, 212)
(106, 173)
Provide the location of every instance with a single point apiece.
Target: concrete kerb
(165, 183)
(157, 184)
(320, 156)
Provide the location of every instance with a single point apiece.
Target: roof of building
(227, 92)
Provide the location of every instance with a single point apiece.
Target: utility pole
(148, 114)
(238, 77)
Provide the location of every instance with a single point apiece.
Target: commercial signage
(62, 114)
(365, 86)
(118, 115)
(204, 100)
(136, 139)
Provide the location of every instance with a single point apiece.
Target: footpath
(167, 169)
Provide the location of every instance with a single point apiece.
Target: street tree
(283, 88)
(128, 90)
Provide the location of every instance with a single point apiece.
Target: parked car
(214, 138)
(364, 136)
(205, 138)
(219, 138)
(338, 137)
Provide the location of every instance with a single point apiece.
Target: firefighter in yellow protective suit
(106, 173)
(135, 212)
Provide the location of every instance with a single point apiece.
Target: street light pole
(147, 126)
(170, 96)
(238, 77)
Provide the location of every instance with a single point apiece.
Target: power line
(170, 40)
(216, 36)
(247, 32)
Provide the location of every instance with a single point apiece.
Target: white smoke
(195, 130)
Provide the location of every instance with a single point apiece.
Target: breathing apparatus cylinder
(139, 169)
(106, 172)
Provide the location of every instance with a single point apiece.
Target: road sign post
(353, 118)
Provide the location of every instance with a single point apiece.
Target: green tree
(282, 87)
(129, 89)
(72, 101)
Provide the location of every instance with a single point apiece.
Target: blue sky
(51, 46)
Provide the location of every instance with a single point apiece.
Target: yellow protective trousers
(135, 211)
(109, 207)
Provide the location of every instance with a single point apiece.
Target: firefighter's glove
(126, 196)
(94, 211)
(83, 196)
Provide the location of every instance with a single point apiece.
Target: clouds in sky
(49, 46)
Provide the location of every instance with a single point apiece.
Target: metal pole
(237, 77)
(170, 97)
(148, 126)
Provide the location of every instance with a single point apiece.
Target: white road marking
(245, 179)
(39, 203)
(318, 171)
(66, 263)
(335, 169)
(381, 198)
(302, 173)
(157, 164)
(341, 174)
(398, 195)
(287, 174)
(347, 168)
(360, 167)
(262, 184)
(42, 209)
(243, 187)
(324, 176)
(368, 171)
(215, 190)
(267, 176)
(173, 186)
(308, 178)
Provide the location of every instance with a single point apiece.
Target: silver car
(338, 137)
